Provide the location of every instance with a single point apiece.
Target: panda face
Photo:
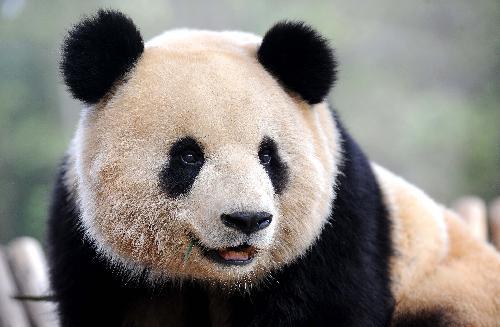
(201, 165)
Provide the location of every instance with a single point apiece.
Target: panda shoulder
(436, 260)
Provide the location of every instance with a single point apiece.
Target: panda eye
(190, 157)
(265, 157)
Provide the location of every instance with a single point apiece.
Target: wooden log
(473, 210)
(28, 263)
(495, 222)
(12, 312)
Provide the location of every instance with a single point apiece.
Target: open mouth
(240, 255)
(236, 256)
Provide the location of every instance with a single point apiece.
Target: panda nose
(247, 222)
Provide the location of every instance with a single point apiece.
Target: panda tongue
(230, 255)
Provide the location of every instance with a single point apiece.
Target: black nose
(247, 222)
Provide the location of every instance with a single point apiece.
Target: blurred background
(419, 86)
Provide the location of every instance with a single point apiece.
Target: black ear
(300, 59)
(97, 52)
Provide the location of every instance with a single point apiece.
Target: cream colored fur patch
(438, 264)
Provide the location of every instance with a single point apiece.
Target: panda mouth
(239, 255)
(235, 256)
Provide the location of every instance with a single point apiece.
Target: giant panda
(209, 183)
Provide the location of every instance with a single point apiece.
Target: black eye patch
(179, 173)
(276, 168)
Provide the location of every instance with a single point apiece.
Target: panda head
(201, 155)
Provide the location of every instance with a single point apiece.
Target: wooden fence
(23, 272)
(24, 279)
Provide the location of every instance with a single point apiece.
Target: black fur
(97, 52)
(342, 281)
(277, 170)
(177, 177)
(300, 59)
(437, 317)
